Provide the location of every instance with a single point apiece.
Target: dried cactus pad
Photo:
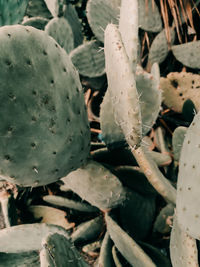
(178, 87)
(44, 132)
(188, 201)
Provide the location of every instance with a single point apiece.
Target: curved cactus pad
(97, 185)
(44, 131)
(188, 201)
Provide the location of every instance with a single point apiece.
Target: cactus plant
(37, 107)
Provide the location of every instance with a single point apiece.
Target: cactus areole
(44, 131)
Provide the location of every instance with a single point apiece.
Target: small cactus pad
(22, 259)
(97, 185)
(58, 251)
(178, 87)
(54, 6)
(122, 87)
(100, 13)
(61, 31)
(188, 201)
(37, 8)
(36, 22)
(44, 132)
(89, 59)
(12, 11)
(149, 16)
(160, 48)
(188, 54)
(183, 248)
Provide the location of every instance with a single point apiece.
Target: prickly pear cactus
(188, 201)
(44, 133)
(12, 11)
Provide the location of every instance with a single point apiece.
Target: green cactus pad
(37, 8)
(183, 248)
(159, 48)
(188, 201)
(188, 54)
(89, 59)
(12, 11)
(131, 251)
(178, 87)
(100, 13)
(44, 133)
(71, 16)
(149, 98)
(177, 141)
(88, 231)
(58, 251)
(36, 22)
(61, 31)
(27, 237)
(111, 132)
(69, 203)
(149, 16)
(122, 87)
(22, 259)
(97, 185)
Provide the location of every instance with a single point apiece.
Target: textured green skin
(89, 59)
(61, 31)
(44, 133)
(58, 251)
(22, 259)
(188, 201)
(36, 22)
(12, 11)
(97, 185)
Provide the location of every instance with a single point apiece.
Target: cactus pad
(44, 132)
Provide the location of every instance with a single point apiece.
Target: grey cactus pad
(100, 13)
(61, 31)
(188, 201)
(89, 59)
(177, 141)
(159, 48)
(97, 185)
(44, 132)
(58, 251)
(12, 11)
(54, 6)
(36, 22)
(188, 54)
